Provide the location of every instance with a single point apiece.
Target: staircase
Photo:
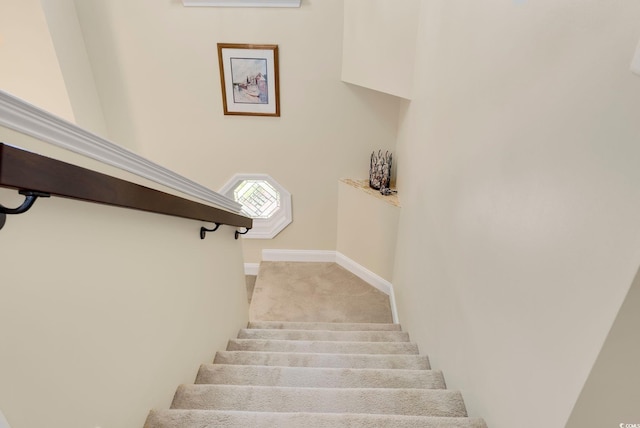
(324, 375)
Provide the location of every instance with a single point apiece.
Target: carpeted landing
(323, 375)
(313, 292)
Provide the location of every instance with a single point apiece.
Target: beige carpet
(323, 354)
(250, 280)
(293, 375)
(315, 292)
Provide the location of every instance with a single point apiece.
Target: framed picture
(249, 77)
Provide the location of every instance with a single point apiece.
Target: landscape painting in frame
(249, 77)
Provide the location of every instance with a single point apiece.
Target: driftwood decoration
(380, 170)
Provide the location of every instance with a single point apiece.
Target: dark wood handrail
(27, 171)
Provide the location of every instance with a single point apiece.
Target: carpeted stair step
(335, 326)
(324, 335)
(412, 402)
(221, 374)
(235, 419)
(356, 361)
(322, 346)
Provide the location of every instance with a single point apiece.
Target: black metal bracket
(238, 233)
(29, 200)
(204, 230)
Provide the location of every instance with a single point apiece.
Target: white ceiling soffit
(242, 3)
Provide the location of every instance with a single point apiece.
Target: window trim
(263, 228)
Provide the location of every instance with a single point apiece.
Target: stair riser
(425, 402)
(317, 375)
(322, 347)
(282, 359)
(325, 326)
(318, 378)
(210, 419)
(324, 335)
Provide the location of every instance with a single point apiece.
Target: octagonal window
(259, 199)
(263, 199)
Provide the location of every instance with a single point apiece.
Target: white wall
(105, 311)
(519, 233)
(156, 70)
(30, 68)
(367, 229)
(379, 44)
(70, 50)
(609, 397)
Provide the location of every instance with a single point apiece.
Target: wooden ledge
(364, 186)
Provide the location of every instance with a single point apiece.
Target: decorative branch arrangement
(380, 172)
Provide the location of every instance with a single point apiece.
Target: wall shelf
(364, 186)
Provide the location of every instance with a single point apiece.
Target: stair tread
(415, 402)
(299, 359)
(322, 346)
(239, 419)
(318, 377)
(335, 326)
(324, 335)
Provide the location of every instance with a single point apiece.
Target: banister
(41, 176)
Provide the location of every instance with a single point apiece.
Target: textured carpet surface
(250, 281)
(337, 326)
(318, 292)
(324, 335)
(318, 377)
(394, 401)
(324, 347)
(319, 352)
(362, 361)
(234, 419)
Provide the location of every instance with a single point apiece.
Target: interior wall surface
(156, 70)
(104, 311)
(30, 68)
(609, 397)
(379, 44)
(367, 229)
(71, 53)
(518, 235)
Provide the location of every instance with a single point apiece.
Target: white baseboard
(394, 307)
(298, 256)
(358, 270)
(251, 268)
(371, 278)
(364, 273)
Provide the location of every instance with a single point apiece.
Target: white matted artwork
(249, 78)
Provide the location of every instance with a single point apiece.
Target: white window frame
(263, 228)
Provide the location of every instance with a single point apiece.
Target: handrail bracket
(204, 230)
(29, 200)
(238, 233)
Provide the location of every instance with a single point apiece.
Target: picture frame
(250, 81)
